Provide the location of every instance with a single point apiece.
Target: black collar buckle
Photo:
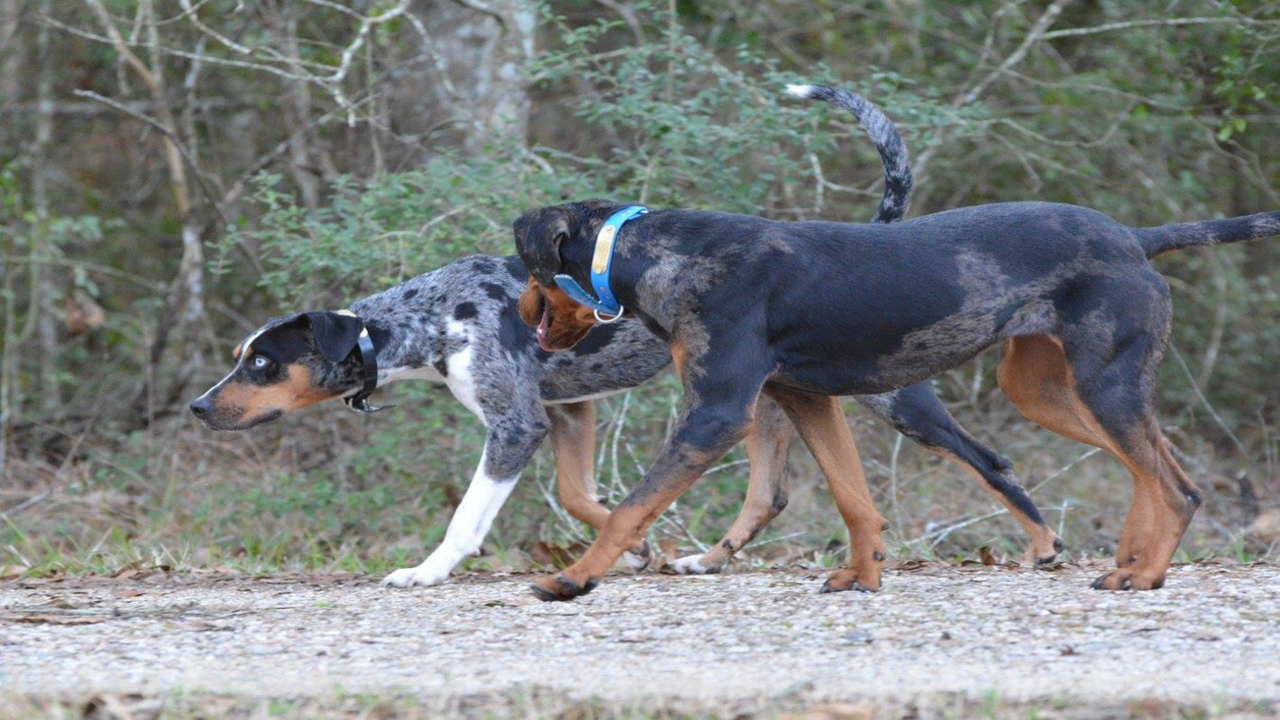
(359, 401)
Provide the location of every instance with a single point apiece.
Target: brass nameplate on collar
(604, 246)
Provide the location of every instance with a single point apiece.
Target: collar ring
(611, 320)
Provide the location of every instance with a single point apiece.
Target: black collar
(359, 401)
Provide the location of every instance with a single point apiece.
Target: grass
(178, 704)
(327, 491)
(536, 703)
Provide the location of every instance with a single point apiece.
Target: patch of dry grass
(327, 490)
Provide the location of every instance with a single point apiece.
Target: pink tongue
(542, 327)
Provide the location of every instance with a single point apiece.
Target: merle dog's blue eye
(260, 363)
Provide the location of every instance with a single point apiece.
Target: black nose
(200, 406)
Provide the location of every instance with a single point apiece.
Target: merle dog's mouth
(214, 424)
(543, 326)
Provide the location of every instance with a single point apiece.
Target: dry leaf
(984, 553)
(1266, 527)
(203, 626)
(127, 571)
(9, 572)
(837, 711)
(1218, 561)
(556, 557)
(82, 313)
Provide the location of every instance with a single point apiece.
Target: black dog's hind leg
(1098, 388)
(914, 411)
(917, 412)
(822, 423)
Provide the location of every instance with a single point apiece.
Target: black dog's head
(552, 240)
(289, 363)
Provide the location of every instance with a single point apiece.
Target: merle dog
(809, 311)
(459, 325)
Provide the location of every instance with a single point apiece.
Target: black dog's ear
(335, 334)
(539, 235)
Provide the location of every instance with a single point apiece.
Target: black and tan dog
(808, 311)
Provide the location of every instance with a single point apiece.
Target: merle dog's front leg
(506, 451)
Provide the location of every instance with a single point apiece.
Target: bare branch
(1036, 34)
(122, 46)
(1109, 27)
(169, 135)
(195, 20)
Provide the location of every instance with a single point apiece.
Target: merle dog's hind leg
(573, 439)
(917, 412)
(515, 427)
(767, 445)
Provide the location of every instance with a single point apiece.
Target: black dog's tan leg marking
(825, 430)
(675, 471)
(718, 401)
(573, 438)
(767, 445)
(1035, 376)
(1042, 383)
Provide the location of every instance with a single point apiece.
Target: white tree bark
(483, 52)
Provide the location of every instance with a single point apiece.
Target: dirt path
(992, 635)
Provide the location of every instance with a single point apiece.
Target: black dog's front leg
(717, 411)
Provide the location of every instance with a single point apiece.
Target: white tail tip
(803, 91)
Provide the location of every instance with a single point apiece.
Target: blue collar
(601, 261)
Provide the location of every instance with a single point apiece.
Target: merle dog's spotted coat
(807, 311)
(460, 325)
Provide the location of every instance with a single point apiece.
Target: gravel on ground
(759, 639)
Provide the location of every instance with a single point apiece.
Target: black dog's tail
(1158, 240)
(897, 165)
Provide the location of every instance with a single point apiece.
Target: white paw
(637, 563)
(692, 565)
(420, 575)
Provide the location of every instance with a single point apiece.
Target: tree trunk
(484, 56)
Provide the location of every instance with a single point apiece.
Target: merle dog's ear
(539, 235)
(335, 334)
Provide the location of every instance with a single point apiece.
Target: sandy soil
(1210, 639)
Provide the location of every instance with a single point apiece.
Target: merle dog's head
(551, 240)
(289, 363)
